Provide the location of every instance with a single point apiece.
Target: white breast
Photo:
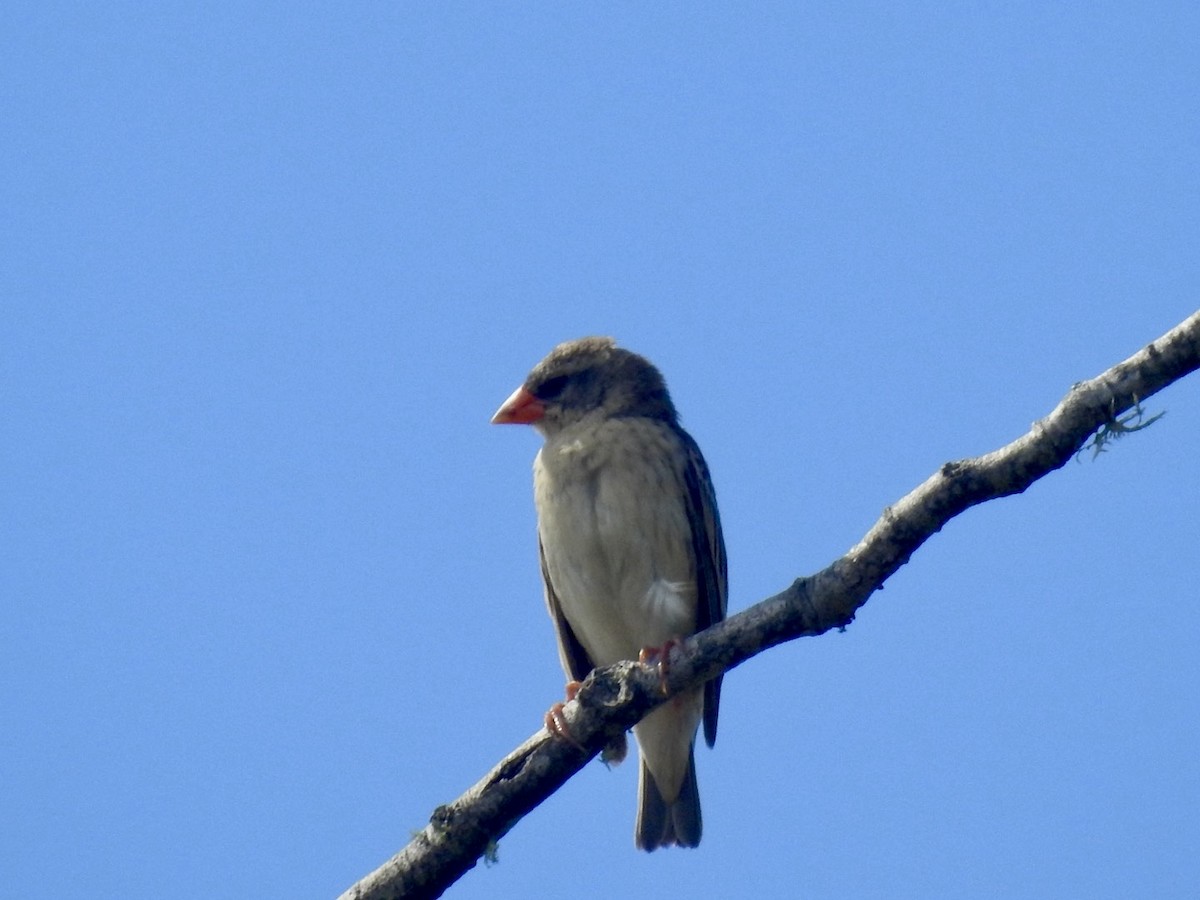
(614, 530)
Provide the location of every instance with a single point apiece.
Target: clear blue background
(268, 579)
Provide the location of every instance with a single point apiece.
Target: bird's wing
(712, 576)
(575, 661)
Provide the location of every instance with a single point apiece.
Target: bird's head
(587, 377)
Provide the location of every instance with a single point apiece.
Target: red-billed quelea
(631, 548)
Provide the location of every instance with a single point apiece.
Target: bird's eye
(551, 387)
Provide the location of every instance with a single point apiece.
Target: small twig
(1117, 427)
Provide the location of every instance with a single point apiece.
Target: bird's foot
(556, 722)
(661, 657)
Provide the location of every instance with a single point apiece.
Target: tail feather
(660, 824)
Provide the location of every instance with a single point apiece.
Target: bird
(632, 553)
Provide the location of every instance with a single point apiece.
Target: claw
(660, 656)
(556, 722)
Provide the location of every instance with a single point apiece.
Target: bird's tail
(662, 824)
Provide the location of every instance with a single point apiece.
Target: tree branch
(613, 699)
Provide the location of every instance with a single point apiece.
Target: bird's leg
(556, 722)
(660, 656)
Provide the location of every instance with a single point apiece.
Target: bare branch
(614, 698)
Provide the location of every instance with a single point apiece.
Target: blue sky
(269, 590)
